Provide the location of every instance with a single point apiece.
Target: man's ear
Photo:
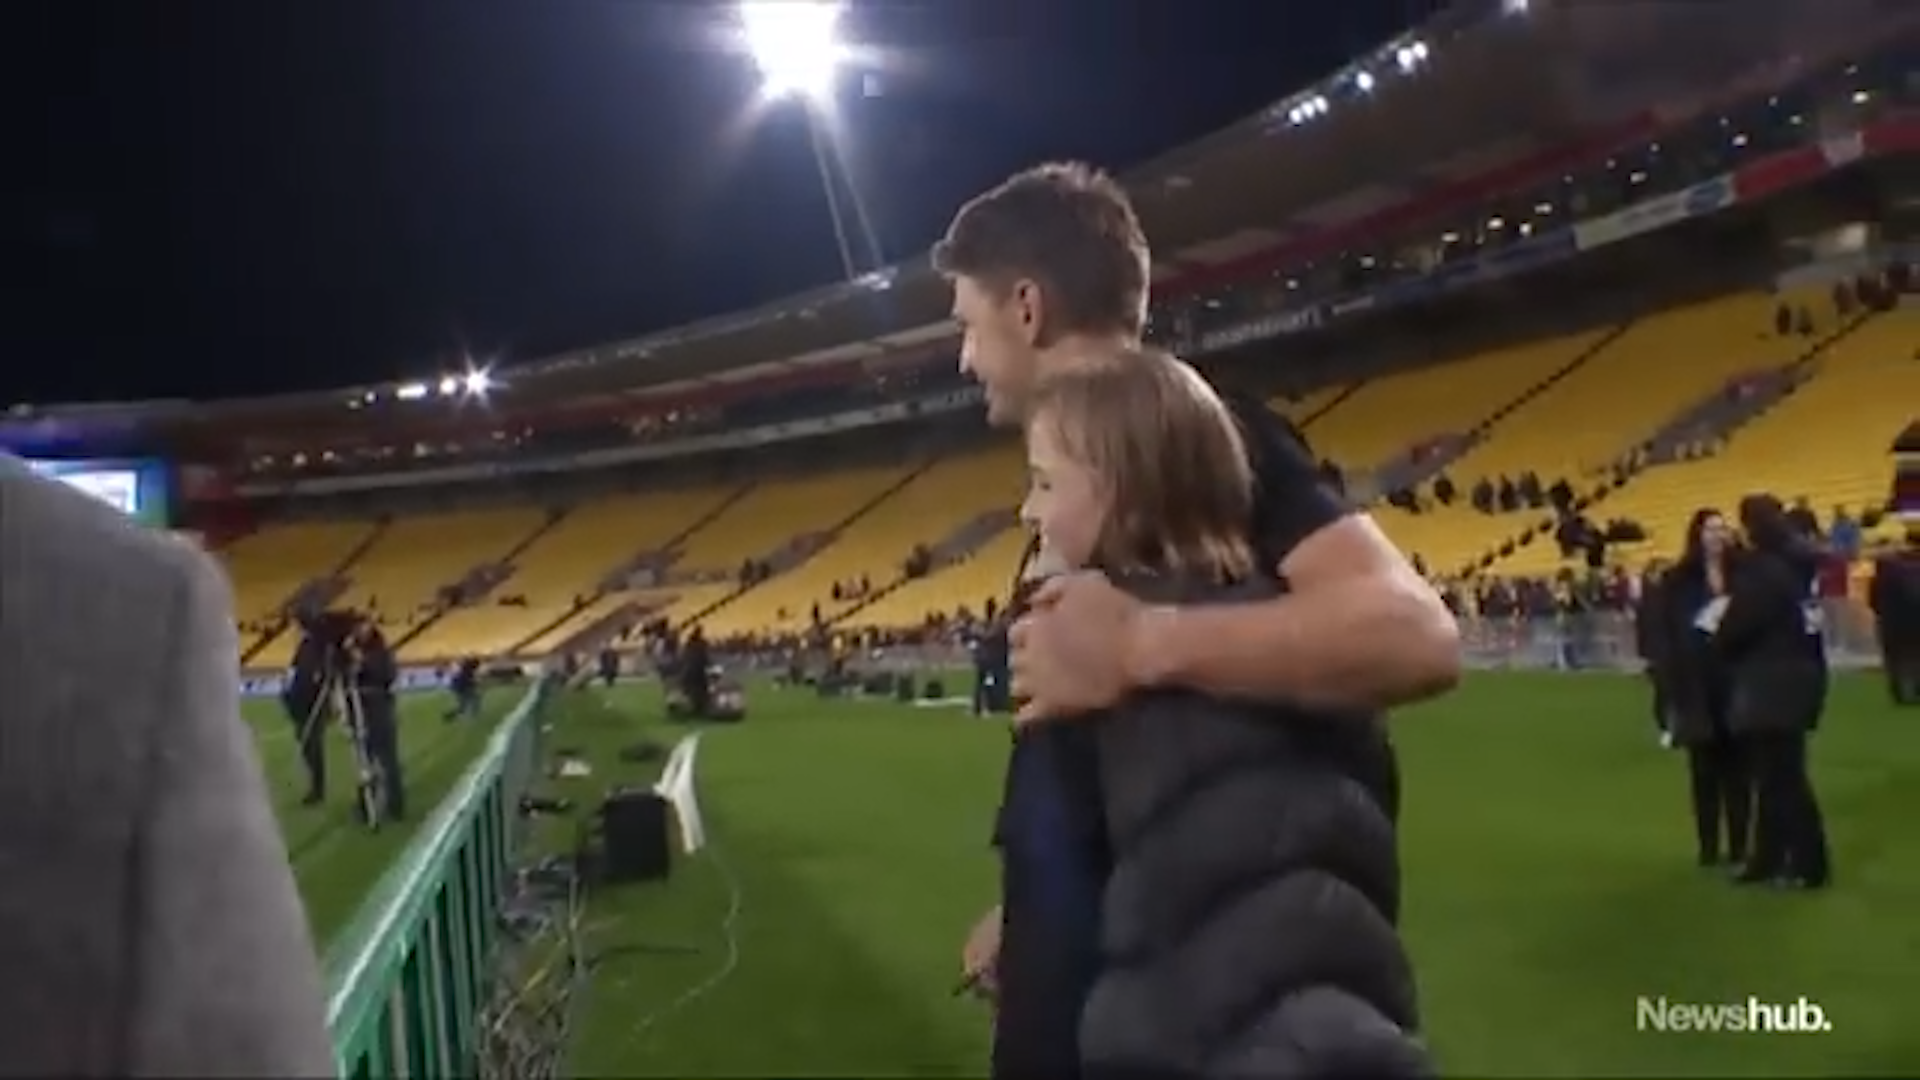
(1029, 307)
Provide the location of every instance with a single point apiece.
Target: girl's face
(1716, 535)
(1065, 504)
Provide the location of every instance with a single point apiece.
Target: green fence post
(407, 981)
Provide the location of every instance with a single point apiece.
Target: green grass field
(1549, 884)
(335, 860)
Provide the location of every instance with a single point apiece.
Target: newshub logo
(1750, 1017)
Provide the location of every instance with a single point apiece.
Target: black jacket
(1770, 639)
(375, 672)
(1249, 921)
(1894, 595)
(1652, 636)
(1697, 679)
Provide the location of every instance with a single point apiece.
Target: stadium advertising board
(137, 487)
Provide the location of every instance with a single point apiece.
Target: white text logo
(1750, 1017)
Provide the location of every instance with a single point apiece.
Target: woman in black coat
(1771, 641)
(1697, 692)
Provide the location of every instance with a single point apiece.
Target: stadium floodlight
(795, 44)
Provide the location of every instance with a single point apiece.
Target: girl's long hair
(1169, 457)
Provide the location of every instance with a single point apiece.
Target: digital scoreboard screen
(138, 488)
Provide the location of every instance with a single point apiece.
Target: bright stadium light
(797, 48)
(795, 44)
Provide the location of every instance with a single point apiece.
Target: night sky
(215, 198)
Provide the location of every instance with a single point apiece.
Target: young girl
(1247, 918)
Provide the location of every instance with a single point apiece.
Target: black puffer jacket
(1248, 928)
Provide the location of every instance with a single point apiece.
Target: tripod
(339, 695)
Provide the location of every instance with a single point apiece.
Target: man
(374, 673)
(304, 697)
(465, 686)
(149, 924)
(1894, 596)
(1653, 642)
(1049, 270)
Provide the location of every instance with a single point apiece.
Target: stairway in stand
(863, 510)
(546, 526)
(338, 571)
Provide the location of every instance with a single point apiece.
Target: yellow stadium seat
(1827, 442)
(566, 565)
(398, 577)
(985, 575)
(934, 505)
(1387, 416)
(775, 512)
(269, 566)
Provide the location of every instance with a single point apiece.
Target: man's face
(997, 334)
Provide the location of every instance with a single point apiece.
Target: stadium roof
(1489, 96)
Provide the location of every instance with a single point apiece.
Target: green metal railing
(407, 980)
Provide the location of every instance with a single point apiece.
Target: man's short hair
(1071, 229)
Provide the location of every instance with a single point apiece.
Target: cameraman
(373, 675)
(304, 697)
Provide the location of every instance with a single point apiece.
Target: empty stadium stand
(569, 568)
(270, 566)
(1387, 416)
(1827, 441)
(778, 523)
(986, 574)
(1661, 365)
(400, 575)
(617, 612)
(934, 506)
(1308, 407)
(1593, 416)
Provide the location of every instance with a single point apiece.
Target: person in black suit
(1653, 642)
(1698, 691)
(1895, 599)
(1770, 639)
